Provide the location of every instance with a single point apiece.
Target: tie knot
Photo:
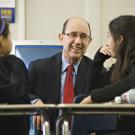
(70, 68)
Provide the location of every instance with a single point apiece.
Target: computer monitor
(32, 50)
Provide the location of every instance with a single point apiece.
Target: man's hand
(38, 120)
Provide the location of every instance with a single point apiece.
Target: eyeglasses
(74, 35)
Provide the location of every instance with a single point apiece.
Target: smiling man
(49, 79)
(75, 38)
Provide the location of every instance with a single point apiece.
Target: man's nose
(78, 39)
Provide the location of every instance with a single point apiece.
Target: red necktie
(69, 88)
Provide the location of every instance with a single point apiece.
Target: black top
(13, 86)
(107, 91)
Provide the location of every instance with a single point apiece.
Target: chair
(85, 124)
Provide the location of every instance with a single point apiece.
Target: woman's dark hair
(123, 26)
(4, 28)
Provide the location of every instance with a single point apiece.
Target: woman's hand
(86, 100)
(105, 50)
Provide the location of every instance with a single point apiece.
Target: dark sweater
(107, 91)
(13, 86)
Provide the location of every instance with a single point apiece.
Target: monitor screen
(32, 52)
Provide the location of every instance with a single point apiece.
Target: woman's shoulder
(16, 60)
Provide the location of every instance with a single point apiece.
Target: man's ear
(89, 40)
(60, 37)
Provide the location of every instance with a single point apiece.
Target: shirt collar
(65, 64)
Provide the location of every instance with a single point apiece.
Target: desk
(28, 109)
(89, 109)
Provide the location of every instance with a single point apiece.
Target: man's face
(75, 39)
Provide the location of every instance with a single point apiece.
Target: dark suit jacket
(45, 80)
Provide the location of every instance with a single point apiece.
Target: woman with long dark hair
(121, 76)
(13, 84)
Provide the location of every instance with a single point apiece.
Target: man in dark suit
(47, 76)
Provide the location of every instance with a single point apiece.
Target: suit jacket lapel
(57, 74)
(81, 77)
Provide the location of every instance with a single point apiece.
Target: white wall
(18, 28)
(43, 19)
(114, 8)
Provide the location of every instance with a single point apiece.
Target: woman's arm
(109, 92)
(98, 76)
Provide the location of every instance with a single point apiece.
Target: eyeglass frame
(74, 35)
